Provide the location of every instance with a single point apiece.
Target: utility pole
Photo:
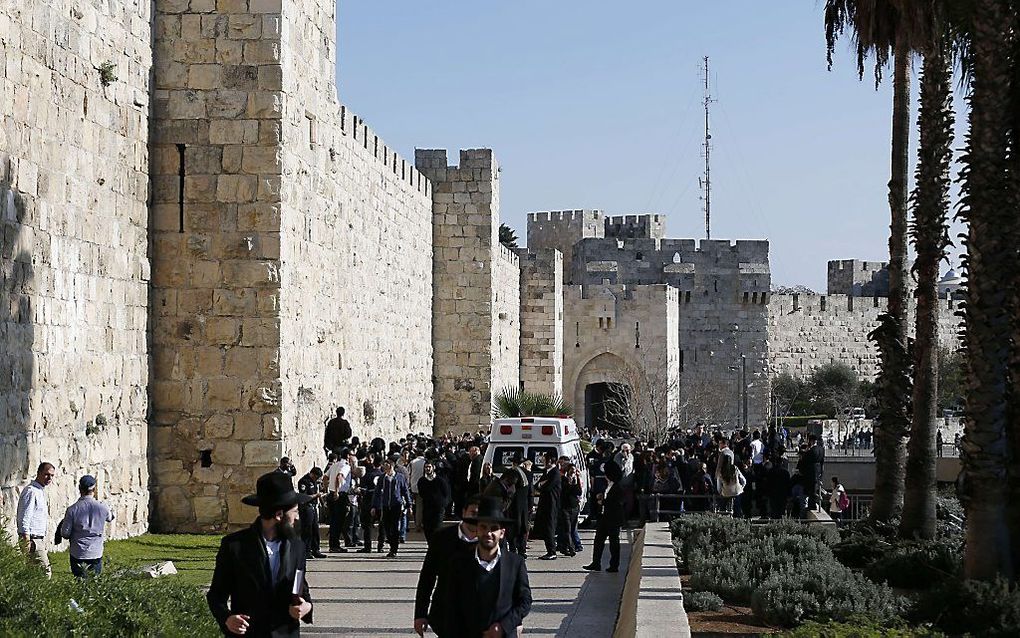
(706, 181)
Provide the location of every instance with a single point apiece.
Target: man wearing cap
(488, 593)
(83, 525)
(444, 544)
(261, 569)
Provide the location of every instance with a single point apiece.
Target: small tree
(647, 400)
(507, 236)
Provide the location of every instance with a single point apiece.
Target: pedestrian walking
(431, 590)
(308, 513)
(365, 494)
(259, 567)
(609, 524)
(392, 497)
(83, 526)
(33, 517)
(567, 539)
(489, 594)
(547, 515)
(435, 496)
(839, 501)
(338, 480)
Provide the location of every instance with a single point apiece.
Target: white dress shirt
(488, 565)
(33, 512)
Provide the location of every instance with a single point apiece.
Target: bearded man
(256, 568)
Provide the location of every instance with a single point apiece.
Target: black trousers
(366, 525)
(599, 545)
(309, 517)
(430, 521)
(517, 539)
(391, 524)
(337, 519)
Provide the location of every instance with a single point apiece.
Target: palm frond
(514, 402)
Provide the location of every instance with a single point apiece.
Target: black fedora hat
(275, 489)
(489, 509)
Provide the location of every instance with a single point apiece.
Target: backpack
(844, 501)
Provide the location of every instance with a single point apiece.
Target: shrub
(706, 532)
(861, 551)
(735, 571)
(917, 564)
(119, 603)
(702, 601)
(858, 627)
(822, 591)
(969, 606)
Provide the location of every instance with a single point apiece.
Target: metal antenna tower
(706, 181)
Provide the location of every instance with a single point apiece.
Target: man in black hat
(520, 509)
(488, 593)
(445, 543)
(256, 568)
(547, 515)
(609, 524)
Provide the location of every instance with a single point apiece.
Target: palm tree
(884, 30)
(930, 235)
(507, 236)
(988, 206)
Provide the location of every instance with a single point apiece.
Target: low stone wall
(657, 603)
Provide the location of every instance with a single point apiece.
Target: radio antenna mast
(706, 181)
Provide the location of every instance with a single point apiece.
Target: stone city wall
(858, 278)
(541, 287)
(626, 335)
(73, 264)
(357, 258)
(807, 331)
(216, 246)
(561, 230)
(506, 321)
(465, 235)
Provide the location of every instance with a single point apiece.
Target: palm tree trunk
(894, 417)
(991, 266)
(930, 234)
(1013, 432)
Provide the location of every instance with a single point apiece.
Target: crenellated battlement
(566, 215)
(369, 142)
(622, 292)
(636, 226)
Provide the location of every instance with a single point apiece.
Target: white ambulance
(533, 438)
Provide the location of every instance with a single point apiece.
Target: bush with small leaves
(917, 564)
(972, 607)
(705, 532)
(702, 601)
(859, 627)
(822, 591)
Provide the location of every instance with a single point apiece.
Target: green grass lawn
(193, 555)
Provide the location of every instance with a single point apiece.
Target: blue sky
(597, 104)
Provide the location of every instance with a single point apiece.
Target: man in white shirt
(416, 471)
(338, 481)
(33, 517)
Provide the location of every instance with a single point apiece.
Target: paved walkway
(371, 596)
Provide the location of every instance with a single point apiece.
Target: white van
(533, 438)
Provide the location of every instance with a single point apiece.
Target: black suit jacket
(242, 575)
(513, 602)
(612, 508)
(443, 546)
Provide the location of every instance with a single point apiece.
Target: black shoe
(547, 557)
(592, 568)
(337, 550)
(364, 550)
(391, 555)
(318, 555)
(309, 556)
(613, 570)
(571, 553)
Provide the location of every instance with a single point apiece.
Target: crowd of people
(373, 492)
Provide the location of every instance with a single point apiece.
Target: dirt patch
(731, 620)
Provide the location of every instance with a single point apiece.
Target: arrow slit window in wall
(180, 187)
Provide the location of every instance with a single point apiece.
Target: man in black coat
(547, 515)
(443, 546)
(520, 509)
(488, 594)
(610, 522)
(309, 512)
(338, 432)
(434, 492)
(256, 568)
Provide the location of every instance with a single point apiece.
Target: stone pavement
(370, 596)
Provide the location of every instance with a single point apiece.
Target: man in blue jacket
(392, 495)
